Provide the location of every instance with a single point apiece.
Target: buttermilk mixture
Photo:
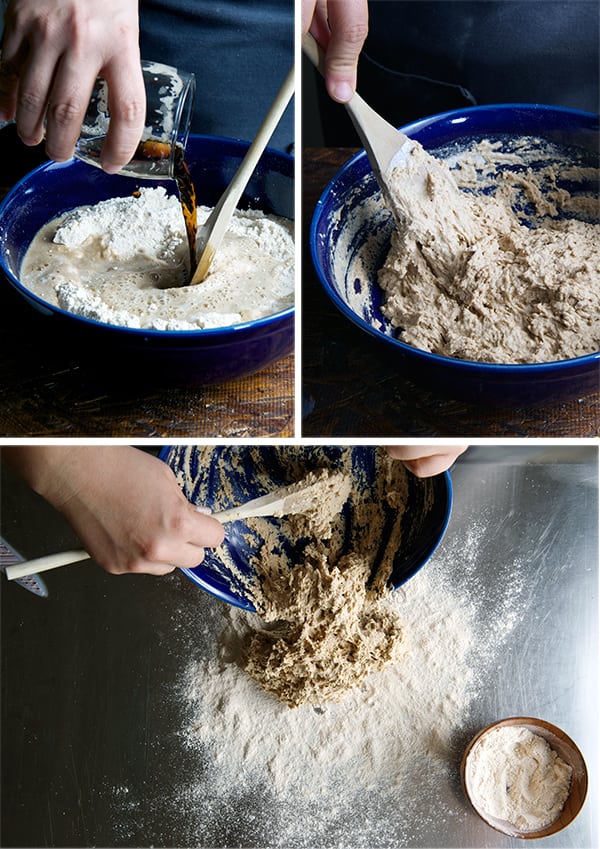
(467, 276)
(124, 261)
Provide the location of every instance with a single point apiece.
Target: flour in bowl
(124, 261)
(518, 778)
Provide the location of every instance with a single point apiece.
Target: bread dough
(466, 278)
(312, 504)
(327, 622)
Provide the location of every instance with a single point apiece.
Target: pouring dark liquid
(187, 193)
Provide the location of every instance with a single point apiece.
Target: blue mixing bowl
(252, 471)
(351, 222)
(199, 356)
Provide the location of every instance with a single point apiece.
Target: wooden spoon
(382, 142)
(418, 189)
(213, 230)
(296, 498)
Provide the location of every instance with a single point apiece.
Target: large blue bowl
(350, 220)
(199, 356)
(252, 471)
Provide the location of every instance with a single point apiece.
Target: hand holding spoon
(296, 498)
(417, 188)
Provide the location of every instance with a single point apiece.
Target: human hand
(426, 460)
(124, 505)
(340, 27)
(52, 53)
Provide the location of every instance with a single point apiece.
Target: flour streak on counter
(124, 262)
(329, 775)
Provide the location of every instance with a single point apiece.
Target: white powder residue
(517, 777)
(370, 740)
(124, 262)
(254, 772)
(148, 226)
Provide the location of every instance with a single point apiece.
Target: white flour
(517, 777)
(368, 741)
(124, 262)
(256, 773)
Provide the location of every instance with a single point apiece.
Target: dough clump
(327, 623)
(465, 278)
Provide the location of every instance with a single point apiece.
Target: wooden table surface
(48, 391)
(350, 388)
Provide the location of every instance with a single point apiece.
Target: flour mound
(147, 225)
(519, 778)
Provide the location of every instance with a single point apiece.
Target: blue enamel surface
(497, 384)
(423, 525)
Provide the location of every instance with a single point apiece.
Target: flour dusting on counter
(253, 772)
(124, 261)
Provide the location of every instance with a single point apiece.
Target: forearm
(57, 473)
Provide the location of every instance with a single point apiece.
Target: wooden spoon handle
(43, 564)
(218, 221)
(381, 140)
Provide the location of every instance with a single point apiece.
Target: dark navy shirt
(422, 57)
(240, 52)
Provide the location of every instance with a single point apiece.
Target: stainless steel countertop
(90, 747)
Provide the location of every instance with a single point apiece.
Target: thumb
(210, 532)
(348, 21)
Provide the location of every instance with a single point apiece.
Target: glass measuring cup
(169, 101)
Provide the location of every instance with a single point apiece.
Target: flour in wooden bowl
(518, 778)
(124, 262)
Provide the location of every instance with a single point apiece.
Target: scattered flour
(255, 773)
(378, 768)
(517, 777)
(124, 262)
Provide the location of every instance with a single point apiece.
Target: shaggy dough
(312, 504)
(327, 623)
(465, 278)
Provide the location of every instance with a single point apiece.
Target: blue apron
(423, 57)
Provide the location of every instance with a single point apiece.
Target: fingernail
(342, 92)
(206, 510)
(110, 167)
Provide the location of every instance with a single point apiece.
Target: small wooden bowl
(563, 746)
